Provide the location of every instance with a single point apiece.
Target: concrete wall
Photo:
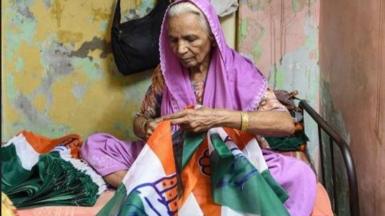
(352, 60)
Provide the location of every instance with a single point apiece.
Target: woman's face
(189, 40)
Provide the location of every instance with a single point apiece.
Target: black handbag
(135, 43)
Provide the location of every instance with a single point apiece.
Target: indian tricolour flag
(222, 172)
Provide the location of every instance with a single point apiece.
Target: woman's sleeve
(270, 102)
(150, 107)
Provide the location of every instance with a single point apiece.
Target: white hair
(188, 7)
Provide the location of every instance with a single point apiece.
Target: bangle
(244, 121)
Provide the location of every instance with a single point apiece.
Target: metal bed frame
(335, 140)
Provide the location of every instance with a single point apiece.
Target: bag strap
(117, 14)
(116, 20)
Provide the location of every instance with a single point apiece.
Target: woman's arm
(146, 120)
(270, 118)
(143, 127)
(265, 123)
(140, 126)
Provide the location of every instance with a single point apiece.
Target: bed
(332, 146)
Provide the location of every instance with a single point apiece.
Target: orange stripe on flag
(44, 144)
(202, 190)
(190, 175)
(160, 143)
(241, 138)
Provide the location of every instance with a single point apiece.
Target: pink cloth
(322, 206)
(107, 154)
(297, 178)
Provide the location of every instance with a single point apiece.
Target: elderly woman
(224, 89)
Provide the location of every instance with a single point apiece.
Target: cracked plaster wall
(281, 37)
(58, 74)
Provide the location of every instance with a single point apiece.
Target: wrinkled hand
(195, 120)
(151, 125)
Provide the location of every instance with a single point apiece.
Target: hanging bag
(135, 43)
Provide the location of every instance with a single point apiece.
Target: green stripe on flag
(12, 171)
(289, 143)
(51, 181)
(220, 147)
(123, 204)
(113, 206)
(133, 205)
(191, 143)
(278, 190)
(237, 184)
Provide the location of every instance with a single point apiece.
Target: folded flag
(222, 172)
(37, 171)
(295, 142)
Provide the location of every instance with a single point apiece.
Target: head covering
(232, 82)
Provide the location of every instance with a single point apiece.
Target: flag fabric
(38, 171)
(221, 172)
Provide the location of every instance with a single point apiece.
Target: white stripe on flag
(24, 151)
(251, 151)
(146, 168)
(226, 211)
(218, 130)
(254, 153)
(190, 207)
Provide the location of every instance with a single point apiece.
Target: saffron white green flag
(222, 172)
(34, 178)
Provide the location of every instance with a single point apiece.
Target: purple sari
(232, 82)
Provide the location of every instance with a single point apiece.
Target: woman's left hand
(195, 120)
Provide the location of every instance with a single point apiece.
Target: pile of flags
(38, 171)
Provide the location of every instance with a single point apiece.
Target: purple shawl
(232, 82)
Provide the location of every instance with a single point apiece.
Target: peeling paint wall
(352, 60)
(281, 36)
(58, 74)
